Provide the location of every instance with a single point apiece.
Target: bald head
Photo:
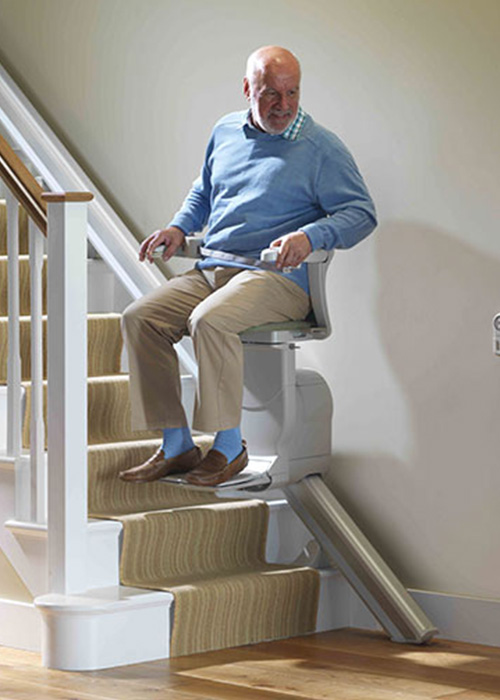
(272, 87)
(272, 58)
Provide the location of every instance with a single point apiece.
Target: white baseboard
(21, 626)
(459, 618)
(462, 618)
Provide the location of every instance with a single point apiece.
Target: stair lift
(286, 420)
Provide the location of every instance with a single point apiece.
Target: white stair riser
(103, 555)
(25, 544)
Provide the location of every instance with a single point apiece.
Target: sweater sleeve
(195, 210)
(344, 198)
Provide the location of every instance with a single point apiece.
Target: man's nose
(283, 103)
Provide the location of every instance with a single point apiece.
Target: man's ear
(246, 88)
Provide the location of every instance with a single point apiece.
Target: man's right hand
(172, 238)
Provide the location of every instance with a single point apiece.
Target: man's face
(273, 95)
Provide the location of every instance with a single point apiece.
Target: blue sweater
(255, 187)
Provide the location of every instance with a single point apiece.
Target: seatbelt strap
(229, 257)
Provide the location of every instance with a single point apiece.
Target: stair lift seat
(287, 413)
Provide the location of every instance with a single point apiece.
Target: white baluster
(67, 392)
(37, 430)
(14, 391)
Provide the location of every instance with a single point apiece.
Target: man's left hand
(294, 249)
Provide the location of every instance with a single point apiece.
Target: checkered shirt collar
(292, 132)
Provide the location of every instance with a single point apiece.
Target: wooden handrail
(23, 185)
(67, 197)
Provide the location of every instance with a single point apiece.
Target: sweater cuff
(183, 222)
(314, 235)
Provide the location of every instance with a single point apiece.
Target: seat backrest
(317, 268)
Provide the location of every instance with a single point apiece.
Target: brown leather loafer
(157, 466)
(214, 469)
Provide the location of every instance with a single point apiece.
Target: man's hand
(294, 249)
(172, 238)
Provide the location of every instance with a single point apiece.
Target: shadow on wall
(435, 302)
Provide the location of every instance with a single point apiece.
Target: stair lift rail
(347, 547)
(287, 416)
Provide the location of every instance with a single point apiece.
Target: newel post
(67, 391)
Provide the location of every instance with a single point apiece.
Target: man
(271, 177)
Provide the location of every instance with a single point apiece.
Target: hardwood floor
(340, 665)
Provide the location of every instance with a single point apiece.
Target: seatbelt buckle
(270, 255)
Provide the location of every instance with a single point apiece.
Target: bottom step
(104, 627)
(117, 626)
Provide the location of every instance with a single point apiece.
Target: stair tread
(102, 598)
(23, 228)
(104, 345)
(24, 285)
(108, 411)
(109, 496)
(214, 578)
(212, 558)
(22, 256)
(91, 315)
(101, 379)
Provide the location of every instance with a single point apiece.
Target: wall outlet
(496, 334)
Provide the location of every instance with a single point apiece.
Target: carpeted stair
(209, 552)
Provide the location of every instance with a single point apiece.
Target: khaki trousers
(213, 312)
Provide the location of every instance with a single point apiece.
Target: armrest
(190, 248)
(318, 256)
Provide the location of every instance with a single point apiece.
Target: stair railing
(63, 219)
(21, 189)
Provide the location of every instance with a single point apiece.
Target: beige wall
(134, 86)
(11, 585)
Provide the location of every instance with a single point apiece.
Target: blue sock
(229, 443)
(176, 441)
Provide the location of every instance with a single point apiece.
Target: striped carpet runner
(209, 552)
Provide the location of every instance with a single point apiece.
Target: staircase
(208, 553)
